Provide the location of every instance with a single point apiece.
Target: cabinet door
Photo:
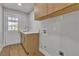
(22, 39)
(31, 43)
(40, 9)
(27, 43)
(59, 6)
(52, 7)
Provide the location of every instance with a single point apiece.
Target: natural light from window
(12, 24)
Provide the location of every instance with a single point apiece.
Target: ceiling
(26, 7)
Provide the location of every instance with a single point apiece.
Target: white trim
(44, 52)
(1, 47)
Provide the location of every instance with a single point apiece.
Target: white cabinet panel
(51, 40)
(70, 34)
(43, 37)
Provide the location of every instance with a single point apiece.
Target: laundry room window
(12, 24)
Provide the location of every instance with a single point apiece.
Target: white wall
(62, 34)
(34, 25)
(1, 26)
(70, 33)
(14, 37)
(50, 41)
(24, 22)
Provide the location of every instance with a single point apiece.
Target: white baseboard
(1, 47)
(44, 52)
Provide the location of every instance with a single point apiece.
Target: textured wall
(62, 34)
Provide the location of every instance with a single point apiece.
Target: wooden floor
(16, 50)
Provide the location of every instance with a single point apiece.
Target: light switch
(44, 31)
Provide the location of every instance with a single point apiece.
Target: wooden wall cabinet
(40, 10)
(50, 8)
(46, 10)
(53, 7)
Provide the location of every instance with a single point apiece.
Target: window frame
(10, 19)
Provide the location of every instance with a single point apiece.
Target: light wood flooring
(16, 50)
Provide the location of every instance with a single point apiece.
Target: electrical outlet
(61, 53)
(44, 46)
(44, 31)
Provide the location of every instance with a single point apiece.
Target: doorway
(11, 28)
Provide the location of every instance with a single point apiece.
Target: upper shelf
(47, 10)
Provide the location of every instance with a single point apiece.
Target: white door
(11, 28)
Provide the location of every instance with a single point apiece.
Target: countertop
(31, 32)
